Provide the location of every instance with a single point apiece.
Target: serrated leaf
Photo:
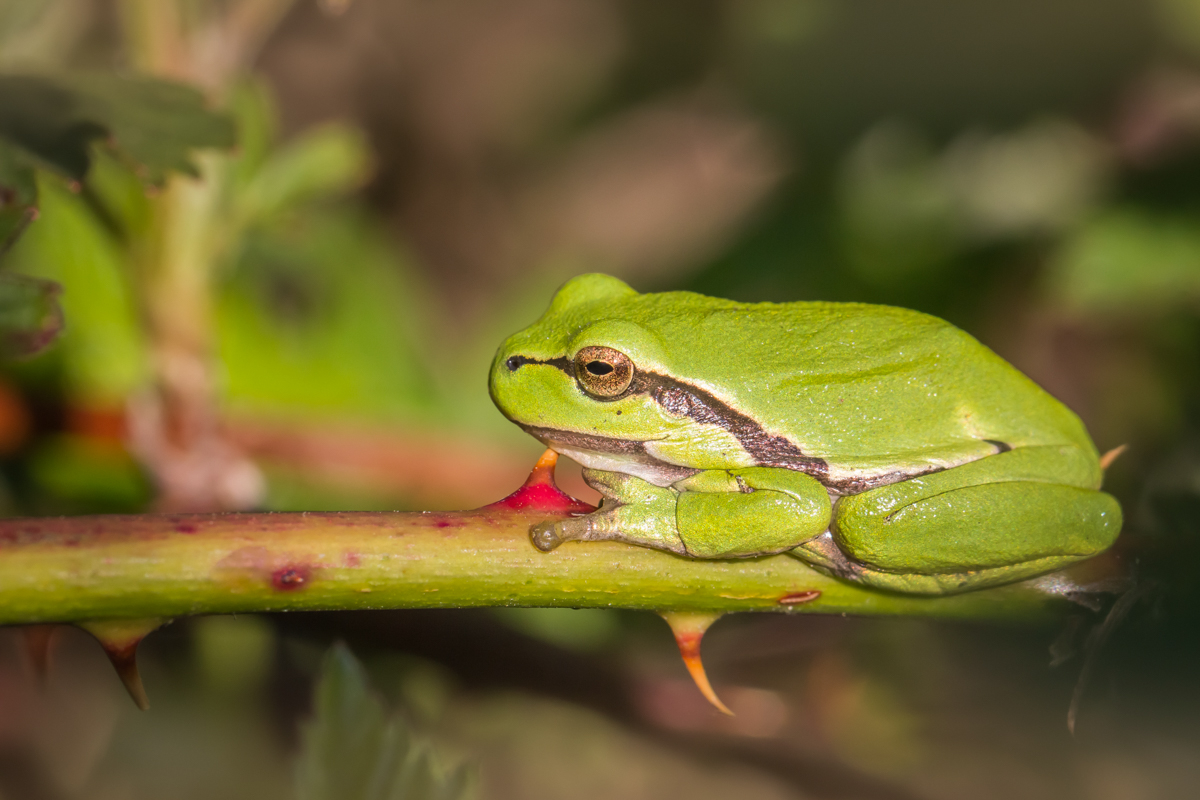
(18, 195)
(352, 751)
(30, 316)
(154, 123)
(18, 184)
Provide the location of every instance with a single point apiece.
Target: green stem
(110, 567)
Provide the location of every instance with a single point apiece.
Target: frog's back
(860, 386)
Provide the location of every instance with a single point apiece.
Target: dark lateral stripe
(561, 362)
(857, 485)
(686, 400)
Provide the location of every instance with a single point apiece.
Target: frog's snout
(514, 363)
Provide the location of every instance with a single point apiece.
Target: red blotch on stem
(796, 598)
(540, 493)
(289, 579)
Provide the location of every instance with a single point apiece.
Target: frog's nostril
(513, 363)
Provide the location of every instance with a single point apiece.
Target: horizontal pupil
(598, 368)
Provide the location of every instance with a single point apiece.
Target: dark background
(1027, 170)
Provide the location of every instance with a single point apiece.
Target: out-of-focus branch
(175, 429)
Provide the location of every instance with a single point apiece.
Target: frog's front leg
(633, 510)
(712, 514)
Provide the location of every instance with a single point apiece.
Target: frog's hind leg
(1000, 519)
(824, 554)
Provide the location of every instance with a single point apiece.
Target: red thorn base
(540, 493)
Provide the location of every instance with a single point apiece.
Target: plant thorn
(120, 639)
(689, 628)
(37, 639)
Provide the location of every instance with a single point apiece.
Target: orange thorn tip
(1112, 455)
(120, 639)
(689, 628)
(543, 470)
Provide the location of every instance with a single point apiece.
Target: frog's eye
(602, 371)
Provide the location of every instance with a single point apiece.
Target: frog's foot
(634, 511)
(641, 525)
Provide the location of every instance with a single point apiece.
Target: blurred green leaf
(293, 310)
(329, 160)
(30, 316)
(155, 123)
(898, 216)
(120, 196)
(74, 474)
(582, 629)
(352, 751)
(102, 349)
(234, 654)
(254, 113)
(1128, 260)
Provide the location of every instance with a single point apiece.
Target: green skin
(880, 445)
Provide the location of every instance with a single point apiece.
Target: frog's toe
(544, 536)
(824, 554)
(548, 535)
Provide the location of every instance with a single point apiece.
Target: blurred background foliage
(284, 273)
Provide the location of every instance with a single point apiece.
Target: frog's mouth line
(584, 447)
(589, 442)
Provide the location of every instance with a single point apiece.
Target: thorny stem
(74, 569)
(120, 577)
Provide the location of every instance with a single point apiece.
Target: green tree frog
(880, 445)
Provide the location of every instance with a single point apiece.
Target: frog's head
(581, 378)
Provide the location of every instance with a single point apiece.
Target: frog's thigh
(748, 512)
(974, 535)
